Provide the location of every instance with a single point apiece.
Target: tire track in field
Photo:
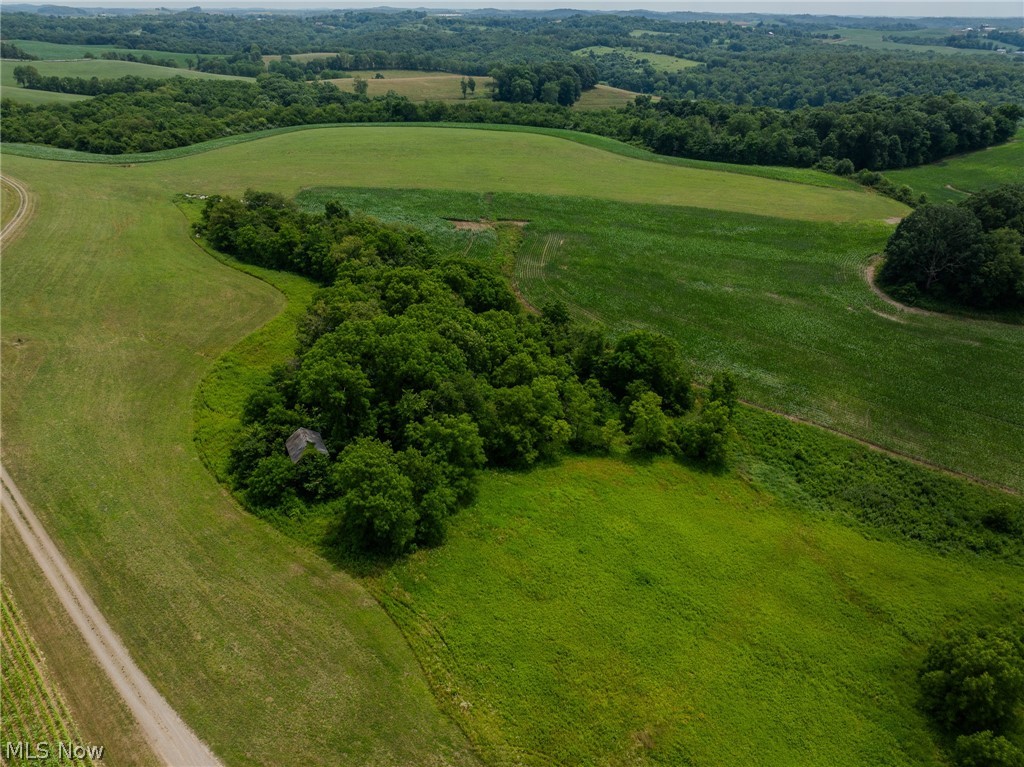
(26, 207)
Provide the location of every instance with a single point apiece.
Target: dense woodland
(419, 370)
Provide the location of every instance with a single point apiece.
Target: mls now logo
(26, 751)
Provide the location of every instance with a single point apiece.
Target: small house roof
(301, 439)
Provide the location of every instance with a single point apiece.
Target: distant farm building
(301, 440)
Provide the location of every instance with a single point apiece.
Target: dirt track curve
(170, 738)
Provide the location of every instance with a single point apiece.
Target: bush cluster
(418, 371)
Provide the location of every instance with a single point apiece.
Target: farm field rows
(967, 173)
(34, 709)
(111, 317)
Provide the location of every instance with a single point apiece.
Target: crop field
(416, 86)
(872, 38)
(950, 180)
(34, 710)
(660, 61)
(62, 52)
(112, 316)
(605, 97)
(651, 614)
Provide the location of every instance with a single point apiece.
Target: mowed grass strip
(9, 202)
(498, 161)
(111, 316)
(606, 613)
(951, 180)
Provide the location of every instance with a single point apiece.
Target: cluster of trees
(418, 371)
(971, 253)
(873, 133)
(11, 51)
(971, 685)
(548, 83)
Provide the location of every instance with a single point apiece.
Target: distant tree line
(971, 253)
(418, 371)
(548, 83)
(782, 64)
(872, 133)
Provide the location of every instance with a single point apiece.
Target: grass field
(416, 86)
(605, 97)
(9, 202)
(872, 38)
(780, 303)
(303, 57)
(651, 614)
(34, 709)
(967, 172)
(62, 52)
(660, 61)
(111, 317)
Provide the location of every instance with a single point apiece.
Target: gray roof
(301, 439)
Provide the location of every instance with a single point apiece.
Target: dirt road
(171, 739)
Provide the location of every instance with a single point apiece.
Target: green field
(9, 202)
(62, 52)
(967, 173)
(660, 61)
(782, 304)
(872, 38)
(416, 86)
(651, 614)
(112, 317)
(605, 97)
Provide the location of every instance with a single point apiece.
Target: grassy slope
(605, 97)
(660, 61)
(781, 304)
(967, 172)
(651, 614)
(31, 97)
(59, 51)
(418, 86)
(110, 318)
(9, 202)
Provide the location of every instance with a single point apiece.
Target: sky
(965, 8)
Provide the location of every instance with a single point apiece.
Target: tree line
(418, 371)
(871, 133)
